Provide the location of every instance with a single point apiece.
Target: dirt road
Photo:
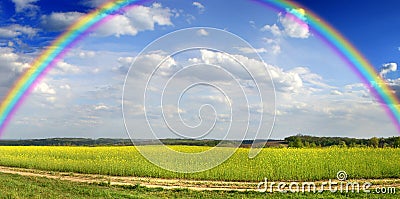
(198, 185)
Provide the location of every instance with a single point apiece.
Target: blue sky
(316, 92)
(371, 26)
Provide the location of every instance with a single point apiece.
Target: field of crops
(16, 186)
(272, 163)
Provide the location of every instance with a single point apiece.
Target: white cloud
(387, 68)
(51, 99)
(63, 68)
(310, 78)
(16, 30)
(101, 107)
(59, 21)
(12, 61)
(252, 24)
(355, 86)
(336, 92)
(294, 23)
(394, 84)
(86, 54)
(189, 18)
(274, 29)
(124, 64)
(145, 63)
(139, 18)
(298, 80)
(199, 6)
(288, 82)
(25, 5)
(202, 32)
(248, 50)
(275, 49)
(44, 88)
(66, 87)
(273, 45)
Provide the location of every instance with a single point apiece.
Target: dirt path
(199, 185)
(142, 181)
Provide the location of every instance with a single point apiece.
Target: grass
(15, 186)
(274, 164)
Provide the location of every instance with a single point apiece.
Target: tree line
(296, 141)
(306, 141)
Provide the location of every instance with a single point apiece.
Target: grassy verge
(15, 186)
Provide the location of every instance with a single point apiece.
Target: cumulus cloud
(199, 6)
(248, 50)
(275, 49)
(140, 18)
(44, 88)
(295, 24)
(124, 64)
(202, 32)
(394, 85)
(387, 68)
(9, 60)
(145, 63)
(297, 80)
(86, 54)
(310, 77)
(101, 107)
(65, 87)
(25, 5)
(63, 68)
(59, 21)
(289, 82)
(273, 45)
(16, 30)
(274, 29)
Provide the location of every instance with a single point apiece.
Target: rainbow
(86, 24)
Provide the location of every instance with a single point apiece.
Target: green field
(15, 186)
(272, 163)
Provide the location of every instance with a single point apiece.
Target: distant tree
(396, 143)
(306, 144)
(385, 145)
(298, 143)
(352, 144)
(313, 145)
(342, 144)
(374, 142)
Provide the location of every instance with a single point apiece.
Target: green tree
(342, 144)
(374, 142)
(313, 145)
(298, 143)
(396, 143)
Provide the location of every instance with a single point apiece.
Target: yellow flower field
(271, 163)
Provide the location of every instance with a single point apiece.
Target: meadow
(16, 186)
(272, 163)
